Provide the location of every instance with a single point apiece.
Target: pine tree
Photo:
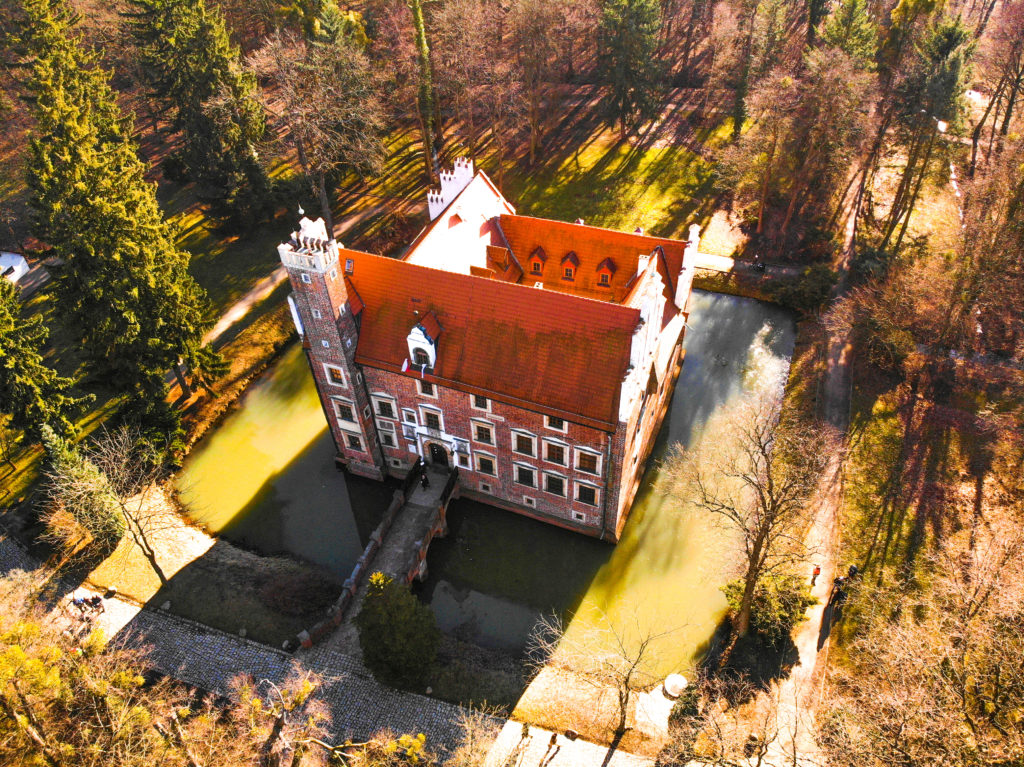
(32, 393)
(397, 632)
(194, 71)
(125, 287)
(627, 47)
(77, 487)
(853, 31)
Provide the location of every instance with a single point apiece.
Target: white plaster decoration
(295, 315)
(310, 248)
(452, 182)
(685, 282)
(418, 339)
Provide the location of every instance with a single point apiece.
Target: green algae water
(498, 572)
(265, 477)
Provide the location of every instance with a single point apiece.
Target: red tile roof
(559, 354)
(592, 246)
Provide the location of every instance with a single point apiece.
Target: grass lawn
(611, 184)
(210, 581)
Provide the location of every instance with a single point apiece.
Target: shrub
(808, 292)
(779, 604)
(397, 632)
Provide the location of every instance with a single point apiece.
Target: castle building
(539, 357)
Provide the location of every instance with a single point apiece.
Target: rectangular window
(524, 444)
(464, 461)
(432, 420)
(586, 494)
(483, 432)
(480, 403)
(354, 442)
(589, 463)
(344, 410)
(317, 315)
(554, 453)
(531, 502)
(554, 484)
(306, 278)
(385, 408)
(387, 438)
(525, 475)
(604, 279)
(557, 424)
(427, 389)
(335, 375)
(568, 273)
(536, 267)
(485, 464)
(579, 516)
(409, 416)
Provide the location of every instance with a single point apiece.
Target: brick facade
(580, 470)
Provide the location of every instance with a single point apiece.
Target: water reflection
(265, 478)
(665, 573)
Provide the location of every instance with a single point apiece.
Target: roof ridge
(659, 240)
(486, 280)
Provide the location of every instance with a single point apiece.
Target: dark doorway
(438, 455)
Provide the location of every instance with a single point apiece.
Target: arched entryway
(437, 455)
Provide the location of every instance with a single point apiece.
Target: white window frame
(474, 406)
(327, 373)
(528, 435)
(306, 278)
(325, 343)
(476, 463)
(379, 398)
(424, 409)
(563, 430)
(487, 487)
(419, 388)
(335, 401)
(494, 432)
(565, 452)
(578, 516)
(317, 314)
(578, 451)
(406, 413)
(358, 437)
(385, 436)
(565, 483)
(463, 460)
(530, 501)
(409, 434)
(576, 493)
(516, 466)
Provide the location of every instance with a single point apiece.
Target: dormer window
(422, 341)
(569, 266)
(605, 270)
(537, 259)
(604, 279)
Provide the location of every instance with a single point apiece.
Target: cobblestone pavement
(359, 706)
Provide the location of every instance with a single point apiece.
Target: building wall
(329, 338)
(458, 418)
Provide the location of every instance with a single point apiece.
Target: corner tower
(324, 317)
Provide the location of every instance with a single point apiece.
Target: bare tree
(611, 657)
(332, 107)
(756, 479)
(934, 676)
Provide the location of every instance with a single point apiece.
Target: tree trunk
(764, 186)
(26, 725)
(976, 133)
(917, 189)
(325, 203)
(426, 88)
(179, 373)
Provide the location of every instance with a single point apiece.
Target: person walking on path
(424, 482)
(815, 574)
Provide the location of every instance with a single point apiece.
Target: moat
(267, 481)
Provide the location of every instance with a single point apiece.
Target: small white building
(13, 266)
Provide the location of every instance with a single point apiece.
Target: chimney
(579, 221)
(638, 230)
(641, 263)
